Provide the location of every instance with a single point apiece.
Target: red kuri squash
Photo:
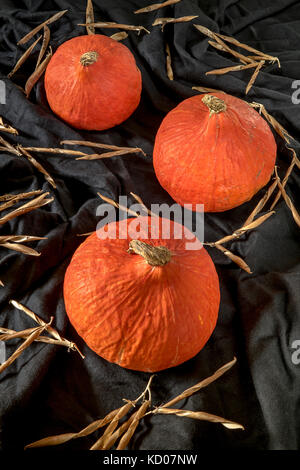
(214, 149)
(92, 82)
(146, 304)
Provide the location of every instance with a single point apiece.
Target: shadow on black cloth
(48, 390)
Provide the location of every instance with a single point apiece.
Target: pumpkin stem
(214, 104)
(89, 58)
(154, 255)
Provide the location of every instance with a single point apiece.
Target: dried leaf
(23, 58)
(8, 146)
(19, 238)
(45, 43)
(133, 425)
(261, 204)
(32, 33)
(12, 199)
(164, 21)
(37, 74)
(90, 17)
(36, 203)
(169, 63)
(288, 200)
(156, 6)
(204, 383)
(35, 334)
(236, 259)
(113, 25)
(286, 177)
(200, 415)
(254, 76)
(6, 128)
(119, 36)
(234, 68)
(38, 166)
(278, 127)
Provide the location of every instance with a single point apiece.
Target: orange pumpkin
(146, 304)
(214, 149)
(92, 82)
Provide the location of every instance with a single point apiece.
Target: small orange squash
(146, 304)
(92, 82)
(214, 149)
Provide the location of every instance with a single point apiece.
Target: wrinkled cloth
(49, 390)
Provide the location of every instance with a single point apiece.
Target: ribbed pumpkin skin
(221, 160)
(138, 316)
(97, 96)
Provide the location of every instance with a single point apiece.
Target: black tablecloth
(49, 390)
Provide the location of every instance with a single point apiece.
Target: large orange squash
(214, 149)
(146, 304)
(92, 82)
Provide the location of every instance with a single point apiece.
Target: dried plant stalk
(207, 90)
(248, 48)
(58, 151)
(6, 128)
(37, 74)
(35, 334)
(170, 73)
(36, 203)
(115, 153)
(236, 259)
(288, 200)
(274, 123)
(156, 6)
(100, 145)
(7, 334)
(9, 147)
(234, 68)
(119, 36)
(286, 177)
(24, 57)
(62, 438)
(113, 25)
(38, 166)
(201, 415)
(45, 43)
(90, 17)
(254, 76)
(118, 206)
(261, 204)
(32, 33)
(139, 200)
(215, 37)
(52, 331)
(20, 248)
(19, 238)
(164, 21)
(12, 199)
(133, 425)
(204, 383)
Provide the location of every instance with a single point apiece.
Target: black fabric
(48, 390)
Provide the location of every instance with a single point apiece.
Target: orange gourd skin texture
(219, 160)
(136, 315)
(97, 96)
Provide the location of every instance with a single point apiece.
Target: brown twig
(119, 36)
(234, 68)
(163, 21)
(288, 200)
(169, 69)
(254, 76)
(38, 166)
(118, 206)
(32, 80)
(45, 43)
(36, 203)
(6, 128)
